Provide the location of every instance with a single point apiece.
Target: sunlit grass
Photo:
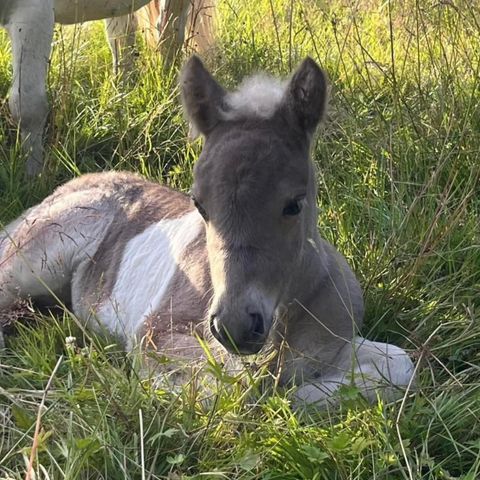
(399, 190)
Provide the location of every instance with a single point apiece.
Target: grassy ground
(399, 176)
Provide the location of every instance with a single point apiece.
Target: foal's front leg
(30, 28)
(374, 368)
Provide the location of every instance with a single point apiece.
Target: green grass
(399, 195)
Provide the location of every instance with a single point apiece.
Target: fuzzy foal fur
(137, 259)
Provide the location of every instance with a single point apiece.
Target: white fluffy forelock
(257, 96)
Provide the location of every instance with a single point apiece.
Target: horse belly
(148, 272)
(68, 12)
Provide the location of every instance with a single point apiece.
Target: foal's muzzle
(245, 337)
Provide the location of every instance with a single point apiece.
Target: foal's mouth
(246, 346)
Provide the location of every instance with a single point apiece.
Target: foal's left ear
(306, 95)
(202, 96)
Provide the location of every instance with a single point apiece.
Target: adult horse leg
(200, 27)
(172, 22)
(165, 23)
(147, 19)
(30, 28)
(121, 37)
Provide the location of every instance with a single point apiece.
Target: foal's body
(124, 252)
(138, 260)
(130, 257)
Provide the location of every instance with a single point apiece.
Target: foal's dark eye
(293, 207)
(200, 209)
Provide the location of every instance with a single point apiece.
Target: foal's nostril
(258, 327)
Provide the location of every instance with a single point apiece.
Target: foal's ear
(202, 96)
(306, 95)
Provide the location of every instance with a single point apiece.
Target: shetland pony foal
(145, 262)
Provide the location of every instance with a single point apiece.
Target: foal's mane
(257, 96)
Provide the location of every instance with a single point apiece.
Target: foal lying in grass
(242, 265)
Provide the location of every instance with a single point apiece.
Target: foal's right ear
(202, 96)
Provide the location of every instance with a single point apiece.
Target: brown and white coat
(247, 265)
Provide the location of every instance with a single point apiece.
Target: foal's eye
(293, 207)
(200, 209)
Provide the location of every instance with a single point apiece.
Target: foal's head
(255, 188)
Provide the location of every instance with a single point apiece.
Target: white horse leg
(172, 22)
(373, 367)
(31, 30)
(121, 37)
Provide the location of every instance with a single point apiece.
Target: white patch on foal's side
(258, 96)
(149, 263)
